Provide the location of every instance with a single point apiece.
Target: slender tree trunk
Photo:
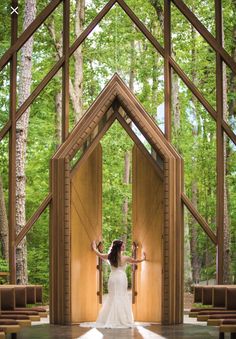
(195, 262)
(3, 223)
(126, 181)
(21, 141)
(175, 102)
(127, 158)
(75, 86)
(77, 89)
(58, 101)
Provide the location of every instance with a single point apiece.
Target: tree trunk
(3, 224)
(126, 181)
(25, 78)
(58, 101)
(175, 101)
(195, 262)
(77, 89)
(75, 86)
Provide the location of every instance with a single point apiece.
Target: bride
(116, 311)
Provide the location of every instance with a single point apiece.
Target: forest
(116, 45)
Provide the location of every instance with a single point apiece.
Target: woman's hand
(93, 245)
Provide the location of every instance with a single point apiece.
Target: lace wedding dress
(116, 312)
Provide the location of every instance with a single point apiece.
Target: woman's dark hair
(114, 252)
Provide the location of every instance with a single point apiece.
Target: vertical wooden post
(12, 149)
(167, 68)
(220, 147)
(65, 70)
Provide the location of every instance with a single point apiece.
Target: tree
(21, 142)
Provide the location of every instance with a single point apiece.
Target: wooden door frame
(116, 92)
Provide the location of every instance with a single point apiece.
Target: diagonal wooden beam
(154, 42)
(142, 27)
(205, 33)
(57, 66)
(34, 218)
(202, 222)
(28, 32)
(91, 26)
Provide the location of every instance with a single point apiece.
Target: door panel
(148, 219)
(86, 225)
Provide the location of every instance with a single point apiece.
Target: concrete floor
(190, 329)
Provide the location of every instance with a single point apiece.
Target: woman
(116, 311)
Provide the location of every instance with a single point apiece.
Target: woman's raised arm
(136, 261)
(99, 254)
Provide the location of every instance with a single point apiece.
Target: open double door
(86, 225)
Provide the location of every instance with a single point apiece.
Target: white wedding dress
(116, 312)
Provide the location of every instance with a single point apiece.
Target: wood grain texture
(86, 200)
(148, 219)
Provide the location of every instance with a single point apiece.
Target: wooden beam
(142, 27)
(213, 42)
(91, 26)
(93, 144)
(12, 149)
(66, 71)
(219, 148)
(167, 68)
(154, 42)
(57, 66)
(28, 32)
(34, 218)
(202, 222)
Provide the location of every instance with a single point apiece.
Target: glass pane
(92, 8)
(5, 29)
(229, 20)
(47, 47)
(38, 254)
(4, 95)
(230, 212)
(4, 186)
(200, 254)
(40, 5)
(42, 141)
(204, 11)
(151, 13)
(194, 136)
(194, 55)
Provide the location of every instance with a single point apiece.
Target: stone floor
(190, 329)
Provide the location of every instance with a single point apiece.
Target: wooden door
(147, 233)
(86, 225)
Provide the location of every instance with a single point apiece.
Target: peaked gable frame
(114, 94)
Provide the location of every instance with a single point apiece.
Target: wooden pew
(8, 305)
(227, 326)
(213, 295)
(24, 295)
